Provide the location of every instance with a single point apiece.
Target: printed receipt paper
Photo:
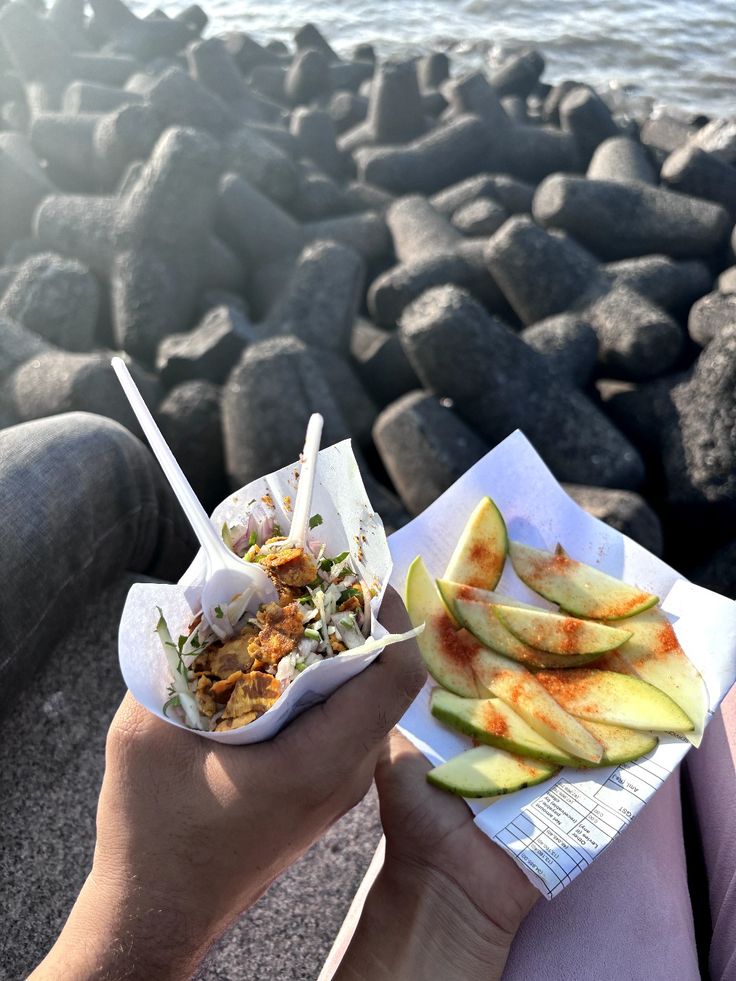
(556, 829)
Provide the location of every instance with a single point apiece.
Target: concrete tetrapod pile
(430, 259)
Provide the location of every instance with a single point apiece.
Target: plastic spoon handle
(194, 511)
(303, 502)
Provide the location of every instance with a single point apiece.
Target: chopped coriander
(253, 540)
(315, 521)
(326, 564)
(196, 642)
(346, 594)
(181, 642)
(218, 613)
(300, 666)
(316, 584)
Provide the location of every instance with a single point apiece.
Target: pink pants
(629, 917)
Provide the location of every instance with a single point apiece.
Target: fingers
(357, 717)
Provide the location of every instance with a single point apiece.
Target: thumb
(358, 716)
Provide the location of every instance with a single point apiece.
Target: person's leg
(81, 500)
(711, 777)
(627, 916)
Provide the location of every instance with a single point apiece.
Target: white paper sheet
(556, 829)
(349, 524)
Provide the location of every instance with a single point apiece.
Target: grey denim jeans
(81, 501)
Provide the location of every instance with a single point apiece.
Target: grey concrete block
(623, 510)
(56, 298)
(264, 165)
(473, 93)
(711, 316)
(392, 291)
(664, 133)
(425, 448)
(210, 351)
(322, 298)
(61, 381)
(23, 184)
(691, 170)
(584, 114)
(381, 362)
(519, 74)
(568, 344)
(432, 70)
(636, 338)
(698, 453)
(718, 137)
(181, 101)
(92, 97)
(253, 225)
(514, 195)
(79, 226)
(540, 274)
(17, 345)
(443, 156)
(310, 37)
(532, 152)
(144, 39)
(316, 140)
(727, 280)
(211, 63)
(418, 231)
(621, 159)
(308, 77)
(618, 221)
(482, 217)
(670, 283)
(280, 382)
(156, 273)
(499, 384)
(347, 110)
(190, 420)
(395, 113)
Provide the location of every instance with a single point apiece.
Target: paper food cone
(349, 524)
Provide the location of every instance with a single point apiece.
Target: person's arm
(190, 833)
(448, 902)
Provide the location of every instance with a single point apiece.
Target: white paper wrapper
(556, 829)
(349, 524)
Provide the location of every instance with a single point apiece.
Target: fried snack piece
(222, 660)
(222, 690)
(252, 695)
(225, 724)
(203, 695)
(292, 566)
(281, 630)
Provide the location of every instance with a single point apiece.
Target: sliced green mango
(459, 663)
(449, 654)
(481, 550)
(621, 745)
(491, 721)
(488, 772)
(653, 654)
(614, 699)
(481, 620)
(559, 634)
(577, 588)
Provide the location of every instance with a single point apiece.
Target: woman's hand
(447, 902)
(190, 833)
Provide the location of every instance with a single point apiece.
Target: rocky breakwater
(430, 260)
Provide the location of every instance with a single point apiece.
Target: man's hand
(190, 833)
(447, 902)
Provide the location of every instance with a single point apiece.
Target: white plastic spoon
(227, 575)
(297, 537)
